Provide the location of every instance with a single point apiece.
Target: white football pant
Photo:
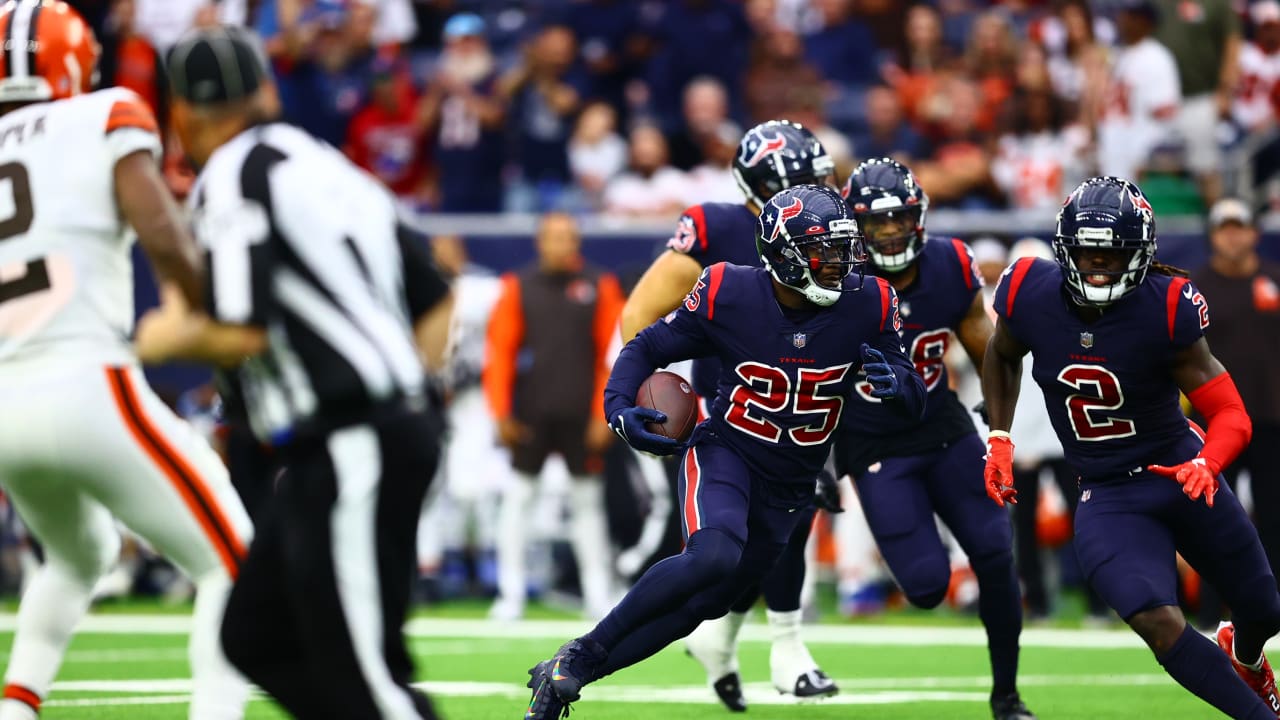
(79, 445)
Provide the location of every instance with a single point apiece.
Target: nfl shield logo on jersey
(1086, 340)
(799, 339)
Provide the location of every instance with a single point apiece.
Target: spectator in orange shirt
(129, 61)
(544, 379)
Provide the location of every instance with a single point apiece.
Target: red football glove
(1196, 476)
(998, 475)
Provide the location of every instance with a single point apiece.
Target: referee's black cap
(215, 65)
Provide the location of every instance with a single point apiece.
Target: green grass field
(130, 662)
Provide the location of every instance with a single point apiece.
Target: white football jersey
(1143, 95)
(66, 274)
(1254, 105)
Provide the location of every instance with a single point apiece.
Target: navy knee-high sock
(649, 639)
(1000, 607)
(746, 600)
(783, 585)
(709, 557)
(1200, 666)
(665, 629)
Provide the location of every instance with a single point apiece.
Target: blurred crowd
(634, 107)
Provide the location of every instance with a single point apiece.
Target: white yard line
(558, 629)
(691, 696)
(857, 691)
(469, 688)
(101, 702)
(116, 655)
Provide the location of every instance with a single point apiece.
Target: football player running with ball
(791, 338)
(772, 156)
(1115, 336)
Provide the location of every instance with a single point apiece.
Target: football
(671, 395)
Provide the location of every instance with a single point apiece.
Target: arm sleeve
(608, 308)
(680, 336)
(504, 335)
(1230, 428)
(424, 286)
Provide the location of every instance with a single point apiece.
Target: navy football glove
(827, 493)
(629, 424)
(884, 383)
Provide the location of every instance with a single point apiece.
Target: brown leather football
(671, 395)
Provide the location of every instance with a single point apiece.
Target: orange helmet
(49, 52)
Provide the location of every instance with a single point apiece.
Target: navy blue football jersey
(786, 374)
(932, 307)
(1107, 384)
(711, 233)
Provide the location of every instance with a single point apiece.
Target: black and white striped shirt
(302, 243)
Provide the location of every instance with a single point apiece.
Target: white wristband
(999, 433)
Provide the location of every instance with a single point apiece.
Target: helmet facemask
(816, 265)
(893, 234)
(1100, 268)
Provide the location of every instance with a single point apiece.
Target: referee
(315, 292)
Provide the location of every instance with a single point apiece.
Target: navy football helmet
(776, 155)
(890, 207)
(809, 242)
(1106, 240)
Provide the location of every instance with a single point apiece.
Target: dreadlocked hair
(1170, 270)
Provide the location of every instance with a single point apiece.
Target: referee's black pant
(315, 618)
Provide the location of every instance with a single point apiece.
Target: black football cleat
(573, 666)
(1010, 707)
(729, 690)
(544, 704)
(814, 684)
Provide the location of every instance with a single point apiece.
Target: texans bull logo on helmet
(765, 147)
(785, 214)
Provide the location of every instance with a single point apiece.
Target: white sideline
(141, 624)
(161, 624)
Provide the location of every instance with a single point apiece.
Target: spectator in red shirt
(385, 138)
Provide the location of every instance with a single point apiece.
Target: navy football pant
(1026, 544)
(900, 498)
(785, 583)
(735, 533)
(1127, 531)
(1262, 460)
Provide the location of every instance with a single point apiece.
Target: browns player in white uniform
(83, 439)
